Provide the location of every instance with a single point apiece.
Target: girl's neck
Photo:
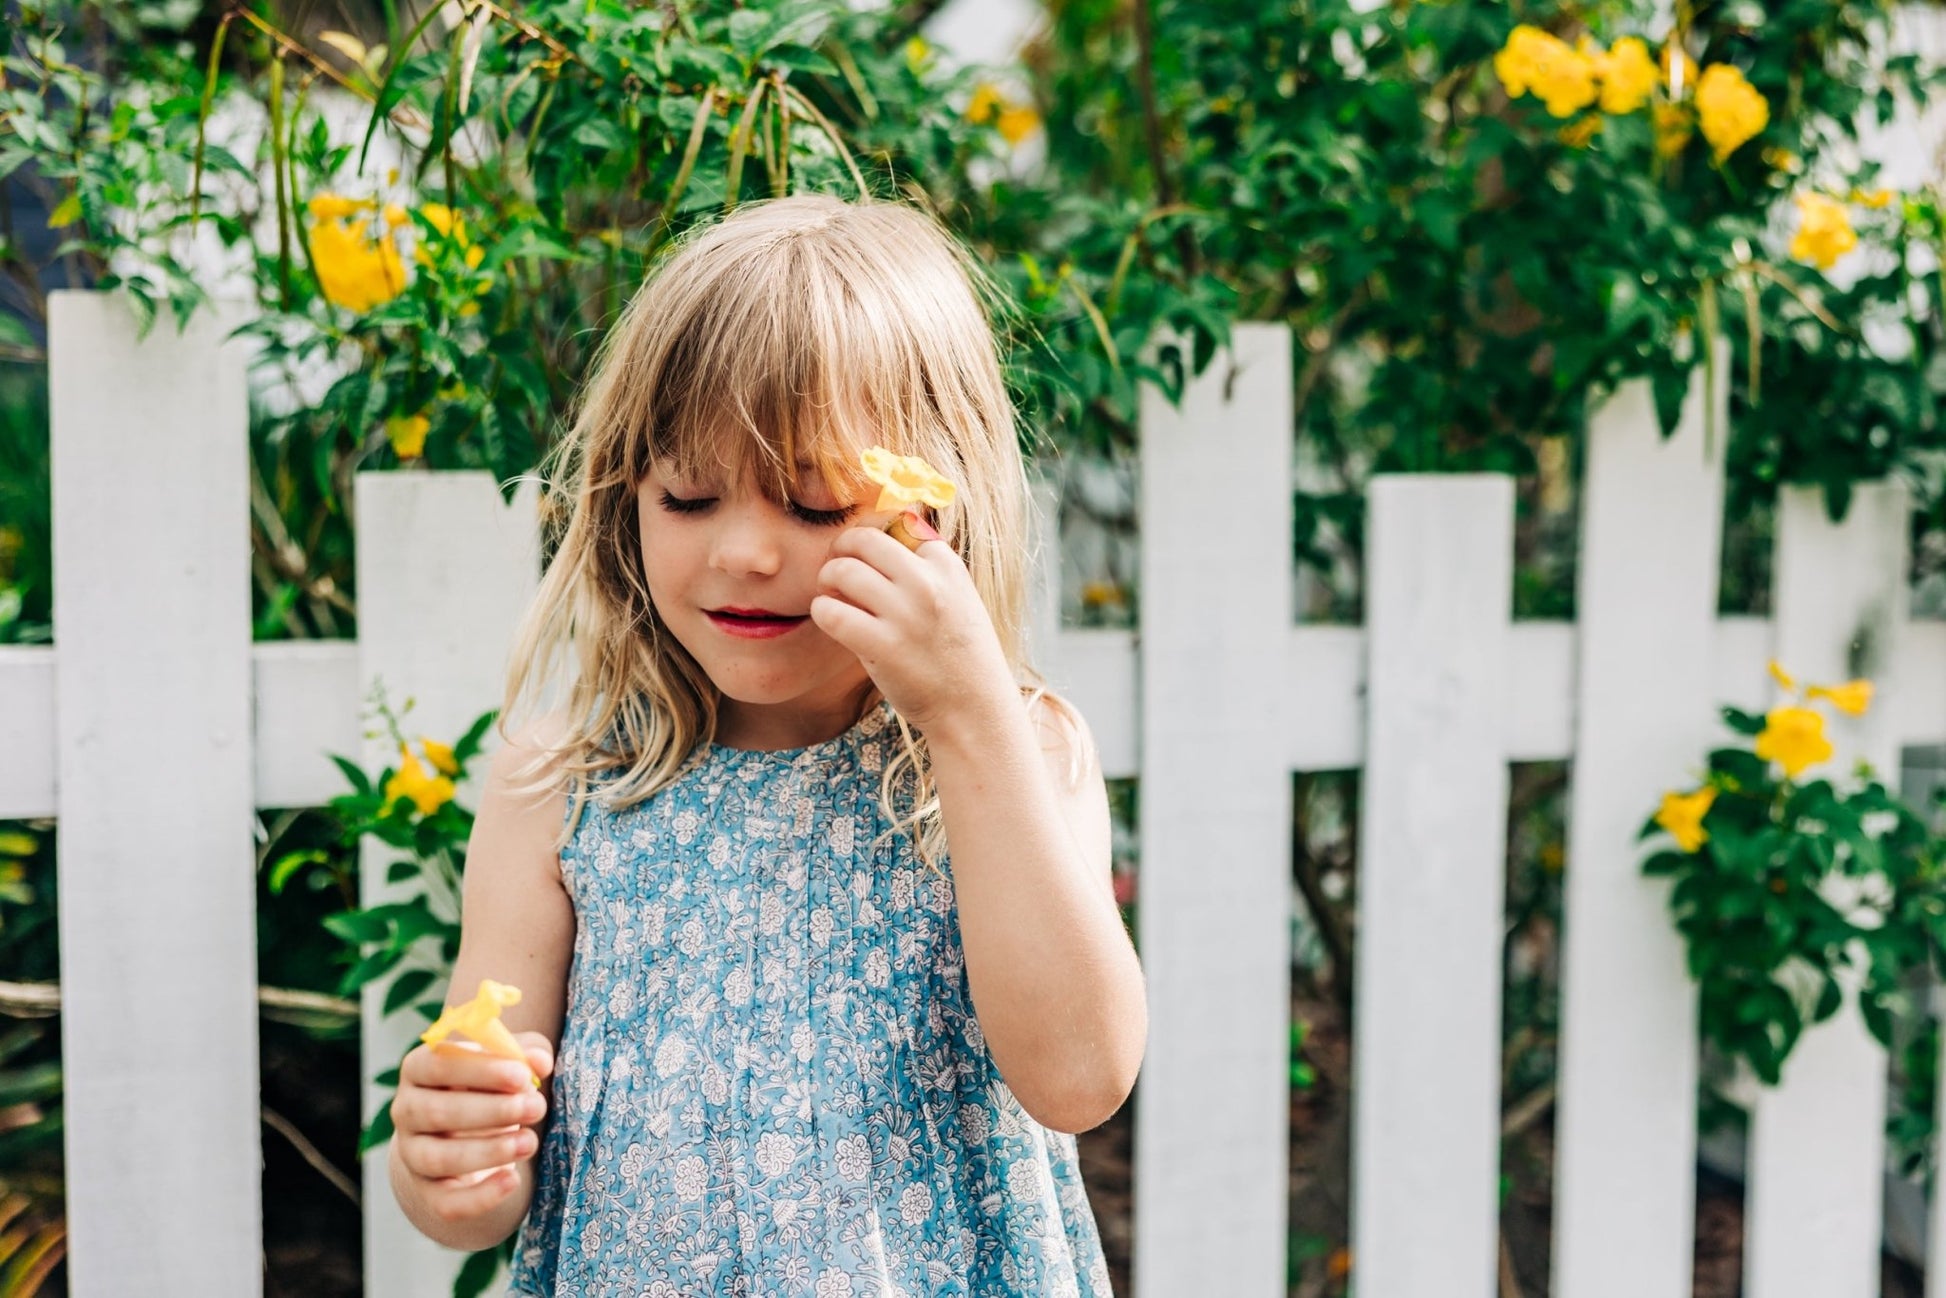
(773, 727)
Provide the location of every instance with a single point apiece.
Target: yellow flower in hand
(1682, 815)
(1824, 232)
(1794, 738)
(905, 480)
(428, 792)
(1731, 109)
(1628, 75)
(479, 1021)
(1851, 698)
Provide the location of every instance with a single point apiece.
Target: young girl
(803, 875)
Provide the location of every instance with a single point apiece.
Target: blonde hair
(797, 329)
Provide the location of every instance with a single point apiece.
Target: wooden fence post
(1214, 909)
(1645, 616)
(445, 569)
(1431, 885)
(157, 880)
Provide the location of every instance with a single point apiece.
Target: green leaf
(407, 985)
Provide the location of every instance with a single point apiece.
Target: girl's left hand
(915, 620)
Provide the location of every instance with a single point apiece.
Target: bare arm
(1053, 975)
(468, 1126)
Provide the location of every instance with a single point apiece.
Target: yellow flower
(1673, 128)
(1824, 232)
(1851, 698)
(905, 480)
(335, 207)
(1731, 109)
(1782, 160)
(15, 843)
(395, 216)
(1873, 198)
(1578, 134)
(1100, 594)
(428, 792)
(354, 270)
(479, 1021)
(1794, 738)
(452, 227)
(1535, 61)
(1682, 815)
(917, 53)
(440, 755)
(985, 104)
(1017, 123)
(1628, 75)
(407, 433)
(1783, 678)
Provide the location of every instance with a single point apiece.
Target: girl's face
(731, 576)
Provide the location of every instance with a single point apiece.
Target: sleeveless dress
(770, 1080)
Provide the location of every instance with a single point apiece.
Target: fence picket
(1432, 870)
(1817, 1162)
(444, 570)
(1651, 528)
(157, 879)
(1213, 914)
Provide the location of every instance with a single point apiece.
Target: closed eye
(815, 517)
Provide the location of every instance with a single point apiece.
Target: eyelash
(815, 517)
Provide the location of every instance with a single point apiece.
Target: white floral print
(770, 1080)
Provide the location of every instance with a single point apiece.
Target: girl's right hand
(464, 1119)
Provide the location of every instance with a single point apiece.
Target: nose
(745, 543)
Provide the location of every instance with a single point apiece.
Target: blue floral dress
(770, 1080)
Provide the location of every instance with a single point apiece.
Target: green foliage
(1462, 273)
(1798, 893)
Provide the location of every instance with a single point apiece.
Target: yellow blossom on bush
(335, 207)
(1731, 109)
(1682, 816)
(407, 433)
(427, 791)
(1851, 698)
(1794, 738)
(1873, 198)
(440, 755)
(442, 219)
(985, 103)
(355, 270)
(1673, 127)
(1537, 62)
(1824, 232)
(1578, 135)
(1783, 678)
(1627, 74)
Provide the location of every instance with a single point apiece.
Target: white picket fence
(154, 726)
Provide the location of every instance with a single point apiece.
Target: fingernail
(920, 527)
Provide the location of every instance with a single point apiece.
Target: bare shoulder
(516, 920)
(1065, 740)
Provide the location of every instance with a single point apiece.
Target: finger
(869, 541)
(849, 625)
(465, 1199)
(540, 1052)
(858, 583)
(462, 1065)
(427, 1110)
(438, 1158)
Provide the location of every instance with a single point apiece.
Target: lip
(728, 621)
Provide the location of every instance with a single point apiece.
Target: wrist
(977, 720)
